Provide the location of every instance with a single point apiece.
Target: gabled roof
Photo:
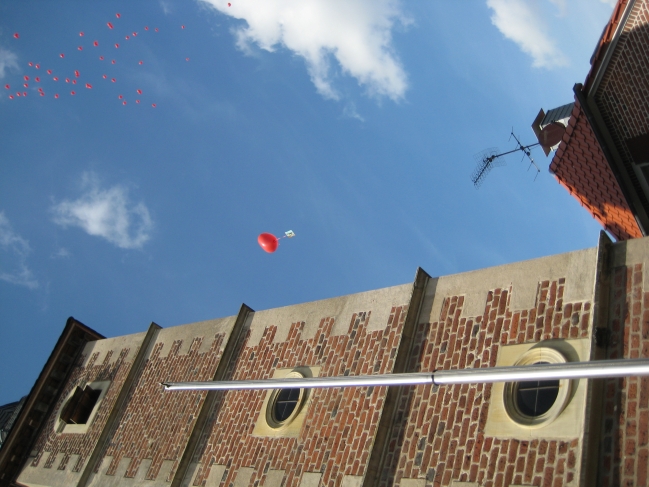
(581, 167)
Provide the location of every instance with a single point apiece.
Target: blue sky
(353, 123)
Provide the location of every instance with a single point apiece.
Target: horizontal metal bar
(307, 382)
(572, 370)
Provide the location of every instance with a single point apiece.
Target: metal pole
(574, 370)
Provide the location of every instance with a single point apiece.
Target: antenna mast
(489, 158)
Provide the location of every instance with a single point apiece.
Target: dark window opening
(639, 148)
(535, 398)
(79, 407)
(285, 404)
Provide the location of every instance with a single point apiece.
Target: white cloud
(356, 33)
(106, 213)
(61, 253)
(519, 22)
(18, 248)
(8, 60)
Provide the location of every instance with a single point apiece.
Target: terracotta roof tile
(580, 166)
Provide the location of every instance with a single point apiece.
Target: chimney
(549, 127)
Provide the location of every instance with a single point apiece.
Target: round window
(285, 404)
(537, 403)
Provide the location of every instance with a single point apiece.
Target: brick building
(98, 416)
(603, 155)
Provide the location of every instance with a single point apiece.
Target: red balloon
(62, 55)
(81, 34)
(96, 43)
(110, 26)
(11, 97)
(72, 93)
(268, 242)
(146, 27)
(118, 15)
(55, 78)
(101, 58)
(153, 105)
(56, 96)
(7, 86)
(26, 78)
(116, 45)
(30, 64)
(37, 79)
(140, 62)
(16, 35)
(89, 86)
(137, 101)
(139, 92)
(127, 38)
(76, 73)
(80, 48)
(49, 71)
(38, 66)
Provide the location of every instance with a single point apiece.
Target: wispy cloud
(17, 249)
(61, 253)
(518, 21)
(106, 213)
(8, 60)
(357, 34)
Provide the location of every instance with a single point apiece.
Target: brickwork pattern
(337, 434)
(580, 166)
(50, 444)
(156, 424)
(623, 94)
(625, 429)
(439, 431)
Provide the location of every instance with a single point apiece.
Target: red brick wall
(156, 424)
(623, 94)
(580, 166)
(337, 435)
(625, 442)
(439, 433)
(49, 444)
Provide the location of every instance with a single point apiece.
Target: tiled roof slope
(580, 166)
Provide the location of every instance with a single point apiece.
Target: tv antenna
(489, 158)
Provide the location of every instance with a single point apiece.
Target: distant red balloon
(72, 93)
(139, 92)
(7, 86)
(101, 58)
(74, 81)
(26, 78)
(116, 46)
(18, 93)
(88, 85)
(113, 80)
(268, 242)
(49, 71)
(156, 29)
(56, 96)
(67, 80)
(30, 63)
(16, 35)
(42, 94)
(24, 93)
(110, 26)
(153, 105)
(113, 61)
(81, 34)
(186, 59)
(146, 27)
(118, 15)
(37, 79)
(134, 34)
(120, 96)
(127, 38)
(26, 85)
(55, 78)
(137, 101)
(104, 76)
(140, 62)
(124, 102)
(182, 26)
(229, 5)
(76, 73)
(61, 55)
(96, 43)
(38, 66)
(11, 97)
(80, 48)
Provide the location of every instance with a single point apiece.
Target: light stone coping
(310, 479)
(215, 475)
(379, 302)
(274, 478)
(457, 483)
(578, 268)
(207, 329)
(352, 481)
(50, 477)
(569, 424)
(116, 344)
(118, 480)
(243, 477)
(632, 252)
(413, 483)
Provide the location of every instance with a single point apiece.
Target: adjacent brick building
(580, 306)
(603, 158)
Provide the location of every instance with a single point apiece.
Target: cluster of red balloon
(269, 242)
